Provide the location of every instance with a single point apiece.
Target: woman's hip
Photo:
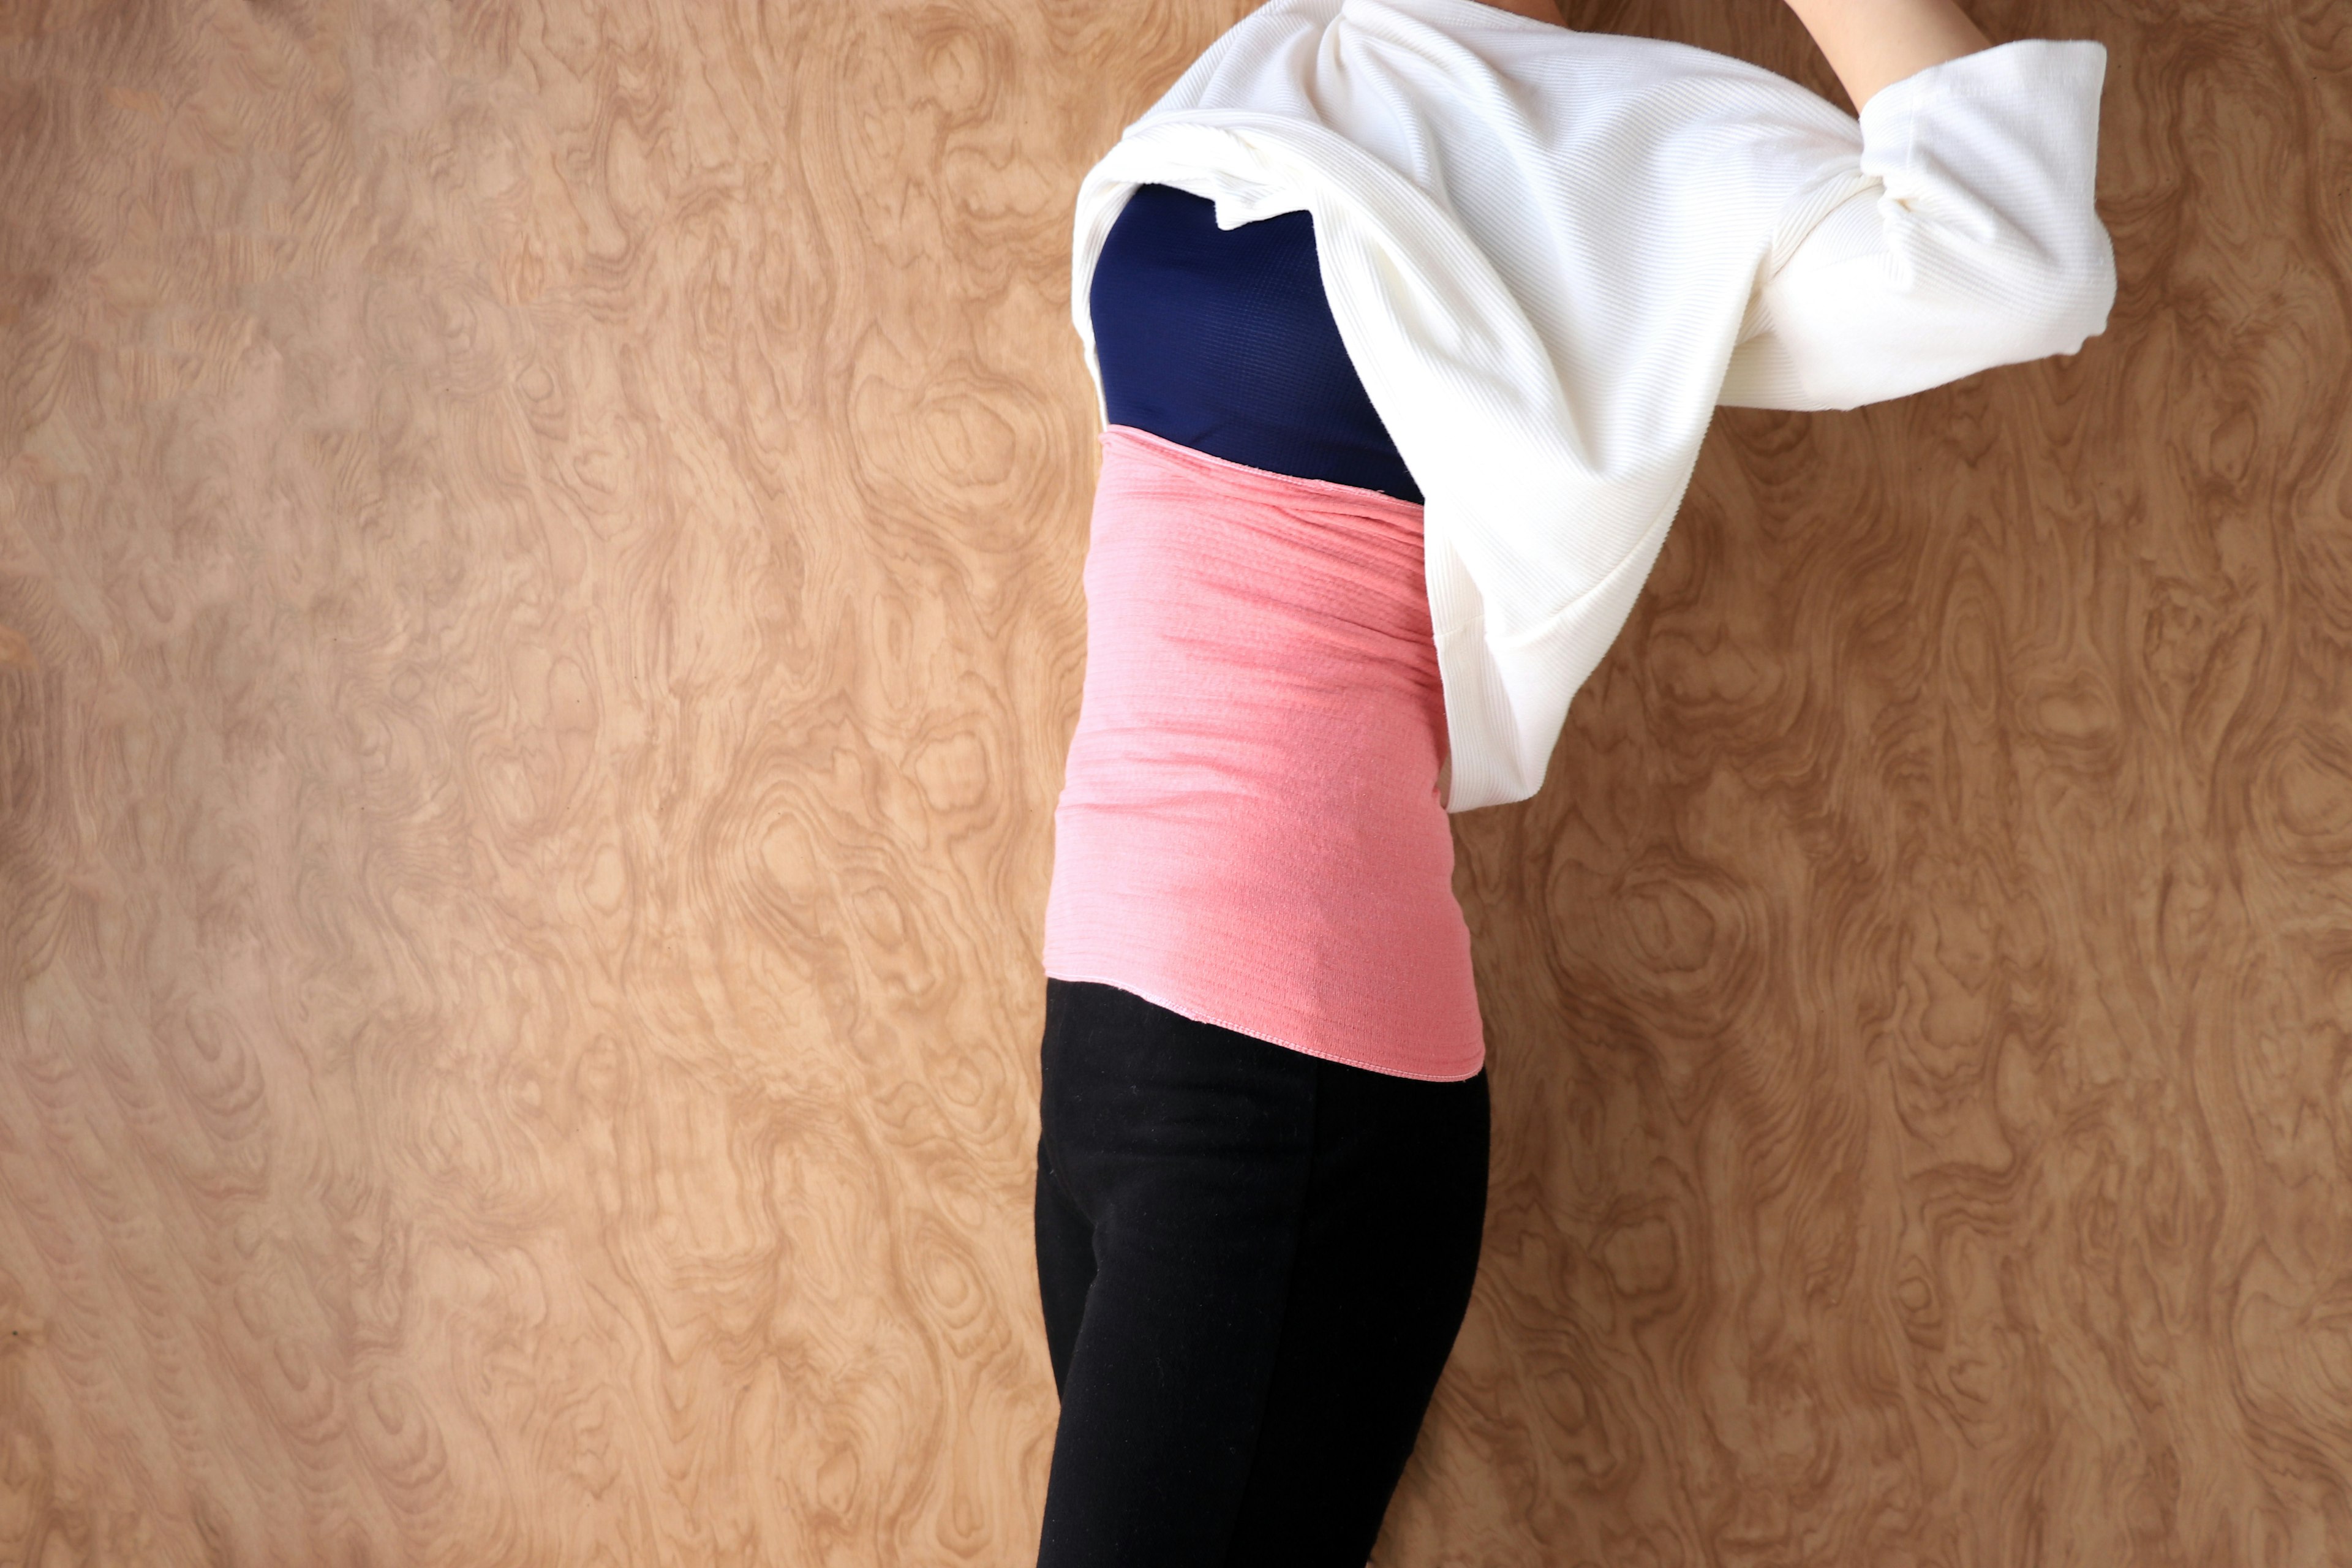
(1143, 1107)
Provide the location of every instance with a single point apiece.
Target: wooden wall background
(539, 548)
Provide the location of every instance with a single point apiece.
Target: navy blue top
(1220, 340)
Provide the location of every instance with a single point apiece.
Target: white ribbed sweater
(1551, 254)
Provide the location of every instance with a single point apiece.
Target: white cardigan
(1550, 254)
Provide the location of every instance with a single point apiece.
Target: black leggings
(1253, 1263)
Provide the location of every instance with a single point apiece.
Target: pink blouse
(1249, 831)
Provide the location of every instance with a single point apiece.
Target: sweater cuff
(1998, 149)
(2024, 68)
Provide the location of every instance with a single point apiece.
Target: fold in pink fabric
(1249, 831)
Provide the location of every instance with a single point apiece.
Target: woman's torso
(1250, 831)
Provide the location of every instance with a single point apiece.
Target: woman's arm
(1873, 42)
(1964, 233)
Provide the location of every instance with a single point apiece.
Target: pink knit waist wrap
(1249, 831)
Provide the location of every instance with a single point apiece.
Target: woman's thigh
(1253, 1263)
(1388, 1251)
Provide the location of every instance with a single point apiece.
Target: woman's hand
(1870, 43)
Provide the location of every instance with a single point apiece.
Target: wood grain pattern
(539, 561)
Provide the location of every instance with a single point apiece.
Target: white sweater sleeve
(1962, 236)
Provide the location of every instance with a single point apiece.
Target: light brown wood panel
(538, 554)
